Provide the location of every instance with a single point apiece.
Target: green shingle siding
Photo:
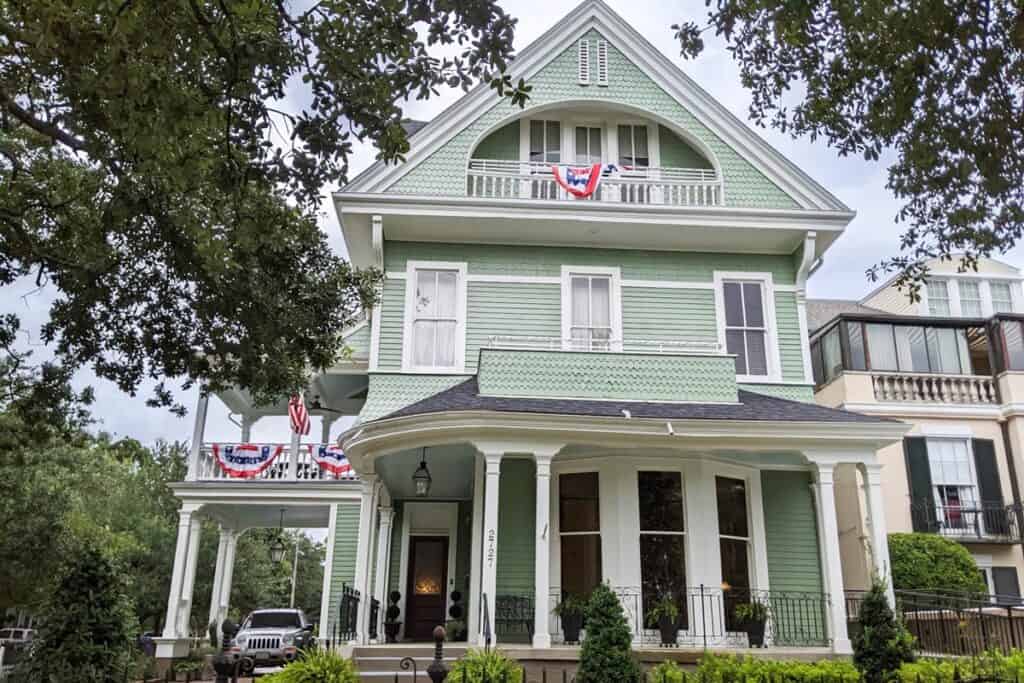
(676, 153)
(661, 314)
(790, 340)
(510, 309)
(343, 569)
(443, 172)
(792, 392)
(390, 392)
(501, 144)
(516, 517)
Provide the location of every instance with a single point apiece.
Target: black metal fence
(979, 522)
(374, 616)
(343, 630)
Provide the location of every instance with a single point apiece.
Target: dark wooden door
(427, 587)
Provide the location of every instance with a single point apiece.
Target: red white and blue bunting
(581, 181)
(245, 460)
(331, 459)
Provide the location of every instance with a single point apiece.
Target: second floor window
(591, 327)
(435, 319)
(633, 147)
(546, 142)
(588, 145)
(1002, 300)
(938, 297)
(746, 333)
(970, 299)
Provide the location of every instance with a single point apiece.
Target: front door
(428, 577)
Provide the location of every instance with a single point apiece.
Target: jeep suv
(270, 637)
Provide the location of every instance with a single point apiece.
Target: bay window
(662, 542)
(579, 526)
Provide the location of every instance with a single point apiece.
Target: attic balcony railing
(504, 179)
(934, 388)
(676, 346)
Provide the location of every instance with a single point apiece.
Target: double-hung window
(938, 297)
(588, 145)
(590, 309)
(434, 320)
(746, 330)
(633, 148)
(545, 142)
(956, 490)
(662, 541)
(1002, 300)
(970, 298)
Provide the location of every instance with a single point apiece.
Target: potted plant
(753, 615)
(391, 624)
(665, 614)
(570, 612)
(456, 630)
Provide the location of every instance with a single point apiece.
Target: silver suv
(270, 637)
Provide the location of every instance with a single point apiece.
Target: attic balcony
(531, 180)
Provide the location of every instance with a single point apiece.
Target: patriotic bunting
(331, 459)
(245, 460)
(580, 181)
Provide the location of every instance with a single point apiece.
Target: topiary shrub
(88, 628)
(316, 666)
(883, 644)
(925, 562)
(606, 656)
(485, 666)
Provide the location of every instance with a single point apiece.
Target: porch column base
(171, 648)
(542, 640)
(842, 646)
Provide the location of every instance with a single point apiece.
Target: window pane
(910, 345)
(423, 343)
(731, 495)
(580, 302)
(735, 579)
(640, 146)
(446, 294)
(733, 304)
(1014, 344)
(595, 145)
(970, 299)
(625, 145)
(1001, 299)
(663, 573)
(881, 347)
(553, 144)
(536, 141)
(661, 501)
(445, 344)
(581, 564)
(942, 350)
(855, 337)
(600, 302)
(832, 355)
(579, 504)
(938, 297)
(734, 345)
(819, 374)
(752, 304)
(582, 149)
(757, 360)
(426, 292)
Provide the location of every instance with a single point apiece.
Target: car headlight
(241, 641)
(288, 639)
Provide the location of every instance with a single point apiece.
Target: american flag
(298, 415)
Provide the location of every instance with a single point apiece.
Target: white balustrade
(504, 179)
(934, 388)
(279, 470)
(672, 346)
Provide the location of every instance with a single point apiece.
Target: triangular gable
(756, 175)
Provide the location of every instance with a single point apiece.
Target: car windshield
(274, 620)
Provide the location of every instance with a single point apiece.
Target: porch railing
(282, 468)
(343, 630)
(932, 388)
(508, 179)
(671, 346)
(980, 522)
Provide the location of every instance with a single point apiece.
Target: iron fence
(992, 523)
(374, 616)
(343, 630)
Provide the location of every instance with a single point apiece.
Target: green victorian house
(589, 364)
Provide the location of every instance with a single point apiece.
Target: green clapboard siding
(790, 340)
(516, 512)
(668, 314)
(636, 264)
(501, 144)
(392, 310)
(343, 569)
(359, 342)
(510, 309)
(675, 153)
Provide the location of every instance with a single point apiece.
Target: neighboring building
(614, 389)
(950, 365)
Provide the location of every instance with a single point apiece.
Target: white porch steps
(382, 663)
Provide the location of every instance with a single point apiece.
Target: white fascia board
(594, 14)
(265, 492)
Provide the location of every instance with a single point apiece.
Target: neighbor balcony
(683, 187)
(977, 523)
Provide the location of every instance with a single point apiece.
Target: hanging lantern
(277, 548)
(421, 477)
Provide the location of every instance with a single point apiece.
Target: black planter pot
(391, 629)
(755, 633)
(572, 624)
(669, 629)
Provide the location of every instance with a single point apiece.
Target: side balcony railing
(508, 179)
(983, 523)
(270, 462)
(934, 388)
(673, 346)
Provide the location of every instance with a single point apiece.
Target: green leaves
(937, 83)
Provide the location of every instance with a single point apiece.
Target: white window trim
(615, 296)
(772, 341)
(460, 268)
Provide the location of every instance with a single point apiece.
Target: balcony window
(938, 297)
(579, 525)
(662, 540)
(633, 152)
(1002, 299)
(588, 145)
(746, 332)
(546, 142)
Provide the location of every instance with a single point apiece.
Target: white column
(831, 562)
(178, 572)
(325, 591)
(364, 552)
(198, 430)
(476, 551)
(218, 578)
(489, 573)
(541, 568)
(229, 574)
(384, 523)
(872, 475)
(189, 580)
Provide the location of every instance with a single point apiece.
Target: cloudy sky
(861, 185)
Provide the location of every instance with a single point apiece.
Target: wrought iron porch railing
(509, 179)
(981, 522)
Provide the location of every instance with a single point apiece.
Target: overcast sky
(871, 236)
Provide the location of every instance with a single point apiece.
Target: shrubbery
(883, 643)
(718, 668)
(316, 666)
(485, 665)
(992, 665)
(926, 562)
(606, 655)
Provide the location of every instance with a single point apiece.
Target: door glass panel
(429, 568)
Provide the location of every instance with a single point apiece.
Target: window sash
(1002, 297)
(970, 299)
(590, 326)
(938, 297)
(546, 141)
(588, 145)
(917, 348)
(634, 149)
(435, 318)
(746, 326)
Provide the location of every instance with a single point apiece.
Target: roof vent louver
(602, 62)
(583, 50)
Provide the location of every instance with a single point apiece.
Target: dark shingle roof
(821, 311)
(751, 406)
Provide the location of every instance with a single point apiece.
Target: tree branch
(44, 127)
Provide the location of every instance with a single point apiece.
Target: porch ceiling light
(277, 548)
(421, 477)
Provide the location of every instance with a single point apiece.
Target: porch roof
(751, 406)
